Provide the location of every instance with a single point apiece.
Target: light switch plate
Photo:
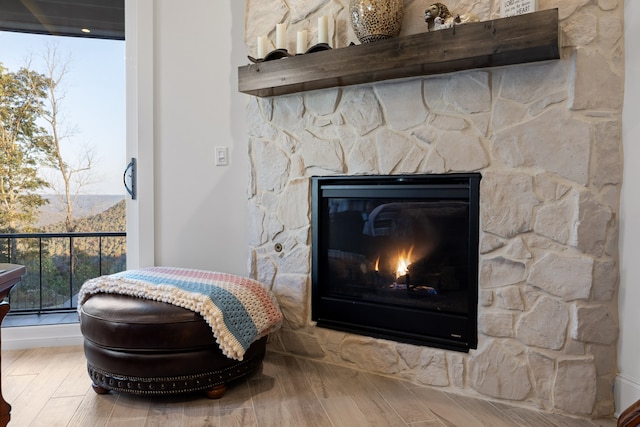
(222, 156)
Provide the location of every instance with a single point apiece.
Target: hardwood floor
(50, 387)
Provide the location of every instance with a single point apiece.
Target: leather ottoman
(146, 347)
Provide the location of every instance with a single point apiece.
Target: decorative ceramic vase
(374, 20)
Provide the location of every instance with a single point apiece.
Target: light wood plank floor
(50, 387)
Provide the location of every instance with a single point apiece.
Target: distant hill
(85, 205)
(111, 219)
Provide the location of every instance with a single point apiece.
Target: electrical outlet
(222, 156)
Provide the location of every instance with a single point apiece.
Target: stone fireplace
(546, 139)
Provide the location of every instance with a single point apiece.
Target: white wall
(182, 102)
(627, 388)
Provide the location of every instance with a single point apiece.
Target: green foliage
(64, 269)
(113, 219)
(22, 145)
(55, 271)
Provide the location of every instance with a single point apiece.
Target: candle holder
(284, 53)
(318, 48)
(274, 54)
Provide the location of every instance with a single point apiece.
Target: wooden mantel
(506, 41)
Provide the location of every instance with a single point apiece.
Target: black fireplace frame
(452, 331)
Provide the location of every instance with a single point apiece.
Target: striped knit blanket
(239, 310)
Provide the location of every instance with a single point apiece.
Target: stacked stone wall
(546, 138)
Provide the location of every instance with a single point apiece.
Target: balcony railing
(57, 265)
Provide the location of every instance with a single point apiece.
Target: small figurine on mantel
(438, 17)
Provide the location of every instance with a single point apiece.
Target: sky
(94, 103)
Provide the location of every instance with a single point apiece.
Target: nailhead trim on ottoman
(172, 385)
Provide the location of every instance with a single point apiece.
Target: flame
(404, 261)
(377, 265)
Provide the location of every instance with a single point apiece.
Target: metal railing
(57, 265)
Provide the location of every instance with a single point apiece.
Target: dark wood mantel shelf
(506, 41)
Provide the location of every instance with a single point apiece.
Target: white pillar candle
(281, 36)
(262, 47)
(323, 29)
(301, 42)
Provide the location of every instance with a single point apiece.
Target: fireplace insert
(396, 257)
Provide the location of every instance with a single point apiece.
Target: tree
(74, 177)
(23, 143)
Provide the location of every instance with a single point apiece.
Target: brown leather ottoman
(146, 347)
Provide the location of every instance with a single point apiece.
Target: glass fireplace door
(396, 257)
